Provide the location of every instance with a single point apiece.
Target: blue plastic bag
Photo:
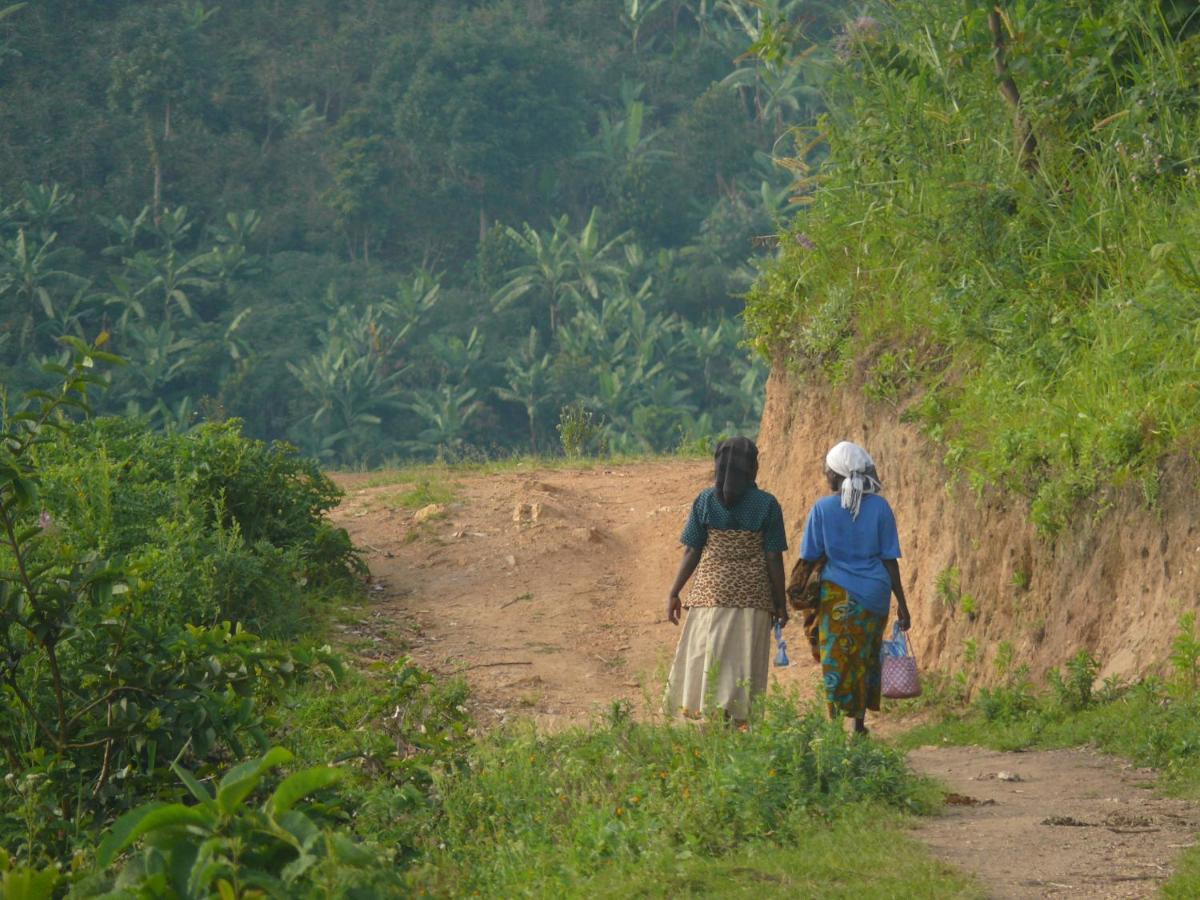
(897, 646)
(781, 657)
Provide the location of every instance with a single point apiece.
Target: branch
(12, 682)
(107, 698)
(1023, 136)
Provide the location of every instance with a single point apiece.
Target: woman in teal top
(734, 540)
(853, 532)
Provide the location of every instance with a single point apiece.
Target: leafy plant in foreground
(105, 675)
(224, 845)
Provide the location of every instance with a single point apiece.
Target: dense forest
(386, 230)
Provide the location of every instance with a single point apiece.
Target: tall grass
(1042, 324)
(642, 809)
(617, 808)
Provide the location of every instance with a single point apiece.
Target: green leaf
(9, 10)
(111, 358)
(28, 884)
(351, 852)
(44, 299)
(151, 817)
(299, 785)
(300, 828)
(81, 348)
(241, 780)
(298, 867)
(199, 791)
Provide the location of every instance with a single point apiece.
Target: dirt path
(1060, 823)
(545, 590)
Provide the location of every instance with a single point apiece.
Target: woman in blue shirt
(734, 540)
(853, 531)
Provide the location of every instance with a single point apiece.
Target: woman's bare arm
(778, 594)
(691, 559)
(902, 616)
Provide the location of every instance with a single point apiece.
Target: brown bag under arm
(805, 597)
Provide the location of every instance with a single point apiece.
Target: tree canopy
(245, 195)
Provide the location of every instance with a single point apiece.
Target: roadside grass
(436, 473)
(886, 863)
(1144, 725)
(617, 808)
(626, 808)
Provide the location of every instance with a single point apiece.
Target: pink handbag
(900, 678)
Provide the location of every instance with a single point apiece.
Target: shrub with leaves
(114, 657)
(224, 845)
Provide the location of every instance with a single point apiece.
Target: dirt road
(546, 589)
(1059, 823)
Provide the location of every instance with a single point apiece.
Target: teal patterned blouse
(756, 511)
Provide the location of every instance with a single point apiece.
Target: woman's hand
(674, 608)
(687, 565)
(780, 617)
(903, 619)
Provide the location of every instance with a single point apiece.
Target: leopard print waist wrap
(732, 572)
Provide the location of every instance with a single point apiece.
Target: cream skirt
(722, 661)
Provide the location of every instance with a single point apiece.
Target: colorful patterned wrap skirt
(851, 641)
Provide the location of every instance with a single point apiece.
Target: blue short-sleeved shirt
(854, 548)
(756, 511)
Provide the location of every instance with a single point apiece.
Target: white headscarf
(858, 473)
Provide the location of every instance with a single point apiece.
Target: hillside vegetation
(171, 728)
(377, 230)
(1020, 278)
(386, 230)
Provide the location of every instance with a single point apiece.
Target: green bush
(120, 568)
(268, 491)
(217, 527)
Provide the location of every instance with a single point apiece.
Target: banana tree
(160, 357)
(353, 381)
(159, 280)
(28, 275)
(230, 259)
(43, 208)
(528, 378)
(781, 94)
(562, 269)
(635, 15)
(447, 412)
(623, 142)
